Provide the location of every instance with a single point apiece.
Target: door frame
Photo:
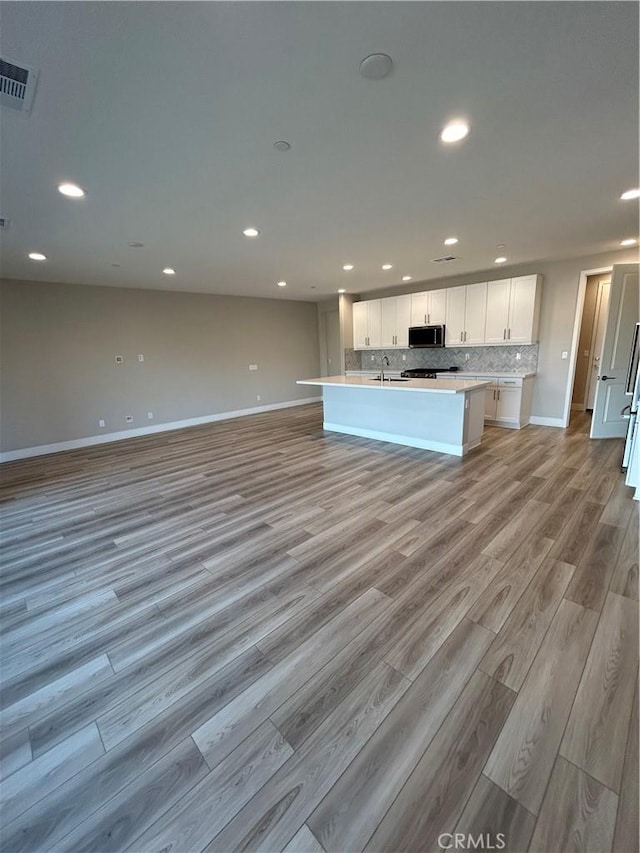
(577, 322)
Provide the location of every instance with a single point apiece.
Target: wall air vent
(4, 223)
(445, 260)
(17, 86)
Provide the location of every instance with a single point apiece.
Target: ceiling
(166, 114)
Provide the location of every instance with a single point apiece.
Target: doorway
(592, 326)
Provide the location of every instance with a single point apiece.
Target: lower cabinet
(507, 401)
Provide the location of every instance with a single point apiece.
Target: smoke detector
(376, 66)
(17, 85)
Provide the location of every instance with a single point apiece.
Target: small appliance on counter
(426, 372)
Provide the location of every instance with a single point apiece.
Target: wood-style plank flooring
(254, 635)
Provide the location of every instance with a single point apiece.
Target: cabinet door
(456, 298)
(497, 311)
(522, 309)
(375, 322)
(437, 307)
(419, 309)
(475, 313)
(360, 325)
(388, 322)
(403, 320)
(490, 402)
(508, 408)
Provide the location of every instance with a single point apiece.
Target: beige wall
(59, 342)
(557, 314)
(583, 361)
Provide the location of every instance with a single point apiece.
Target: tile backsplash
(480, 358)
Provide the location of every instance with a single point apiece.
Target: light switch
(565, 354)
(119, 359)
(253, 367)
(140, 357)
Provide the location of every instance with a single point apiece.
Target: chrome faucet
(385, 358)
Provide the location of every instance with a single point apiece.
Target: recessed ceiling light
(282, 284)
(629, 242)
(629, 194)
(376, 66)
(71, 190)
(250, 232)
(115, 265)
(454, 131)
(347, 267)
(387, 266)
(169, 271)
(500, 260)
(451, 241)
(37, 256)
(406, 278)
(342, 290)
(135, 244)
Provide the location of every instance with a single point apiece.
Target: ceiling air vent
(17, 86)
(445, 260)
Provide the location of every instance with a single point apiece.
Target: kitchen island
(446, 415)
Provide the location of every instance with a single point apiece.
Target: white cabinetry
(466, 315)
(513, 308)
(507, 401)
(429, 308)
(367, 324)
(396, 317)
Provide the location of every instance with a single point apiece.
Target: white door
(475, 313)
(597, 339)
(375, 322)
(419, 309)
(388, 324)
(455, 316)
(360, 325)
(624, 308)
(522, 309)
(403, 320)
(437, 307)
(497, 311)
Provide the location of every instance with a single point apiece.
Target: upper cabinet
(367, 324)
(513, 309)
(428, 308)
(396, 317)
(505, 311)
(466, 315)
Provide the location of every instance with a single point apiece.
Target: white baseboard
(91, 440)
(406, 441)
(552, 422)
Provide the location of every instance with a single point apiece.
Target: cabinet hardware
(461, 334)
(498, 393)
(508, 334)
(428, 318)
(504, 335)
(465, 337)
(425, 319)
(494, 393)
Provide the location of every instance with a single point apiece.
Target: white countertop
(517, 374)
(431, 386)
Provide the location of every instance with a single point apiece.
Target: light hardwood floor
(257, 636)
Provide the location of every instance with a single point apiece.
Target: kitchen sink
(377, 379)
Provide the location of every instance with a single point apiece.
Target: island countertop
(430, 386)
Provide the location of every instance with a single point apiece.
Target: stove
(426, 372)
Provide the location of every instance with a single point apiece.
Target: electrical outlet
(518, 356)
(128, 419)
(404, 358)
(253, 367)
(466, 356)
(102, 423)
(140, 357)
(258, 397)
(150, 415)
(373, 358)
(119, 359)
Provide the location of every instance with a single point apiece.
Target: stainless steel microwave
(426, 336)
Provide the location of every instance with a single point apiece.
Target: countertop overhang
(429, 386)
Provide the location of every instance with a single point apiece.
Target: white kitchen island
(446, 415)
